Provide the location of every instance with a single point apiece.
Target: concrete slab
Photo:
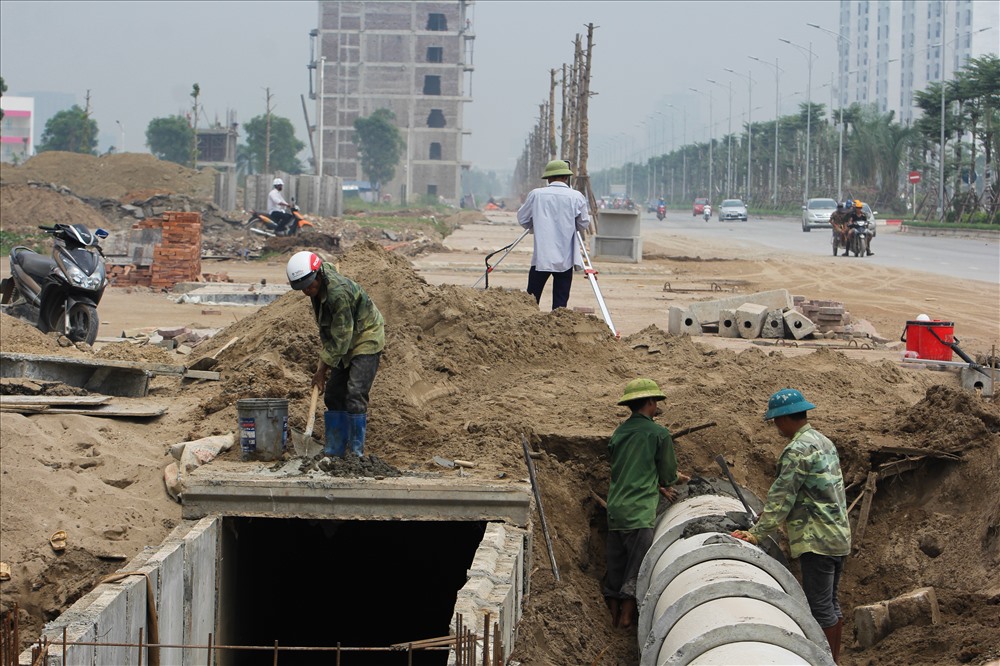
(708, 311)
(774, 325)
(257, 491)
(728, 326)
(798, 325)
(234, 294)
(107, 377)
(750, 320)
(973, 380)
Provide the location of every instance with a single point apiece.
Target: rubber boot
(358, 426)
(833, 638)
(337, 432)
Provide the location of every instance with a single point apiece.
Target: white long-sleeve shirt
(275, 201)
(554, 214)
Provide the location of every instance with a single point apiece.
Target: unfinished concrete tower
(412, 57)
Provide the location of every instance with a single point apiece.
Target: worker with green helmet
(808, 497)
(554, 214)
(643, 467)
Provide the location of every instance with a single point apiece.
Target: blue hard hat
(787, 401)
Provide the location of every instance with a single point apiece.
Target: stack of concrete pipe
(708, 598)
(766, 314)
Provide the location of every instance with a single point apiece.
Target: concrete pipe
(707, 598)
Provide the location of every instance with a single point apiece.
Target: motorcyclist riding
(707, 212)
(858, 215)
(275, 202)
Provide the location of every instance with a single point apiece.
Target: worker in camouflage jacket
(808, 497)
(352, 334)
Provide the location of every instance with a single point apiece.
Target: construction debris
(873, 622)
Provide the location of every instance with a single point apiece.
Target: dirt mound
(23, 208)
(111, 176)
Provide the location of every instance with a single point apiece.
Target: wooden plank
(113, 411)
(866, 506)
(911, 451)
(54, 399)
(24, 409)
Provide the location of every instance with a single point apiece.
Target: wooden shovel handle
(312, 412)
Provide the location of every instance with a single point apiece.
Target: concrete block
(750, 319)
(616, 249)
(798, 325)
(973, 380)
(201, 553)
(774, 325)
(728, 327)
(682, 322)
(873, 622)
(708, 311)
(619, 222)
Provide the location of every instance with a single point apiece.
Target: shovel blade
(304, 444)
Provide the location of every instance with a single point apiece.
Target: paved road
(966, 258)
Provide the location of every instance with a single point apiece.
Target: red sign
(914, 176)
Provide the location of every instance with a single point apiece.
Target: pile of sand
(466, 372)
(124, 176)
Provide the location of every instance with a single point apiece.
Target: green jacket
(642, 460)
(808, 496)
(349, 323)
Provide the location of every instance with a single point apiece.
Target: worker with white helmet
(554, 214)
(275, 202)
(352, 333)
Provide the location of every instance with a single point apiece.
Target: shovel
(303, 442)
(769, 545)
(208, 362)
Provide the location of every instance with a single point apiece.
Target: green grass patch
(36, 241)
(921, 224)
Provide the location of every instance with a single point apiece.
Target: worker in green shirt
(352, 333)
(643, 467)
(808, 497)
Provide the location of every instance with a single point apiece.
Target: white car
(816, 213)
(732, 209)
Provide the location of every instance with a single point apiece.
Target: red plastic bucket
(930, 339)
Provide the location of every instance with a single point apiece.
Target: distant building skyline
(16, 142)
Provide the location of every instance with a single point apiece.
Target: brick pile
(827, 315)
(176, 258)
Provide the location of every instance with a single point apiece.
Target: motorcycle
(259, 228)
(61, 292)
(707, 213)
(857, 237)
(661, 212)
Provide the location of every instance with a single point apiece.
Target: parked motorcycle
(661, 212)
(61, 292)
(261, 227)
(707, 213)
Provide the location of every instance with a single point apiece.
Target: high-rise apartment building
(413, 57)
(891, 48)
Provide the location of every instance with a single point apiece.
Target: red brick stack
(176, 258)
(827, 315)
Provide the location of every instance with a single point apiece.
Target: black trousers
(625, 551)
(347, 388)
(561, 283)
(820, 580)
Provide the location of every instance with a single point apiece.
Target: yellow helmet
(641, 388)
(858, 204)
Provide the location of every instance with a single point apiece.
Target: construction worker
(352, 333)
(839, 220)
(643, 467)
(808, 496)
(554, 214)
(275, 203)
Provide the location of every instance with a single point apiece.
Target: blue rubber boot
(337, 433)
(359, 425)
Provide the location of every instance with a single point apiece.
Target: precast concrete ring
(742, 643)
(796, 611)
(726, 548)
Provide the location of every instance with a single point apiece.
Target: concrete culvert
(708, 598)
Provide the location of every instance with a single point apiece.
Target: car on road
(699, 206)
(732, 209)
(816, 213)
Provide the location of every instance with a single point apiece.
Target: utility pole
(195, 93)
(86, 108)
(267, 132)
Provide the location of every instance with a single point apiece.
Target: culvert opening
(360, 583)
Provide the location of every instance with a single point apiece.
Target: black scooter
(61, 292)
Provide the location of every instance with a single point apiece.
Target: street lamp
(809, 57)
(840, 100)
(777, 116)
(121, 144)
(749, 79)
(711, 139)
(684, 167)
(729, 139)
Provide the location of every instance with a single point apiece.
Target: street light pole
(711, 140)
(840, 103)
(944, 16)
(809, 57)
(729, 141)
(749, 124)
(777, 116)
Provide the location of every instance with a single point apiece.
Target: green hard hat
(557, 168)
(641, 388)
(787, 401)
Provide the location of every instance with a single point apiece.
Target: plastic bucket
(263, 424)
(930, 339)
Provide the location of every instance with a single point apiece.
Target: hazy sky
(140, 59)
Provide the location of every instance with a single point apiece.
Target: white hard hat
(923, 317)
(302, 269)
(278, 181)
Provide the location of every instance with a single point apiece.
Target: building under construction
(411, 57)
